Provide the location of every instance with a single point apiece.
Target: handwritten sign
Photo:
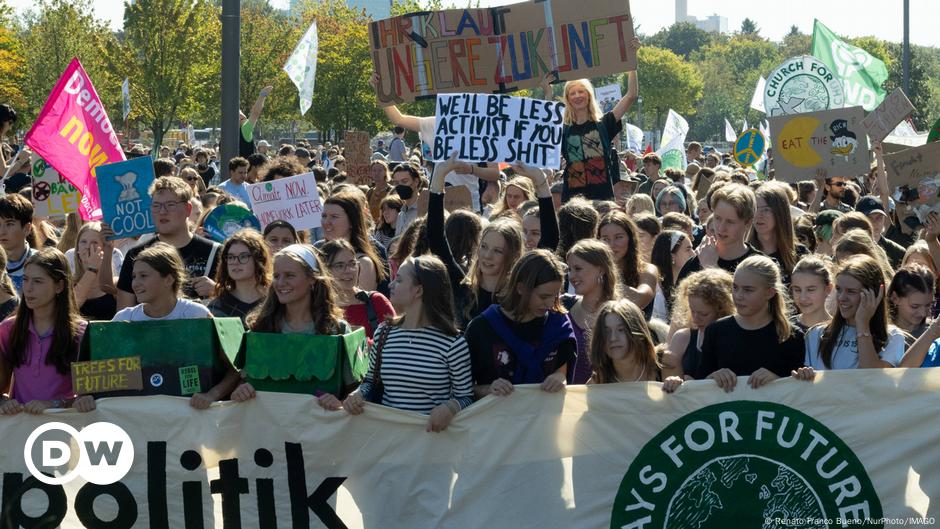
(104, 376)
(914, 174)
(830, 141)
(53, 196)
(607, 96)
(125, 200)
(881, 121)
(295, 200)
(498, 128)
(499, 50)
(358, 157)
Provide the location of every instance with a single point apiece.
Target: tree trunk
(157, 129)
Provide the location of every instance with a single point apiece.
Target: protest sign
(105, 376)
(125, 200)
(749, 147)
(53, 196)
(914, 176)
(498, 128)
(295, 200)
(830, 141)
(74, 135)
(802, 84)
(455, 197)
(223, 221)
(358, 157)
(499, 50)
(607, 96)
(687, 460)
(881, 121)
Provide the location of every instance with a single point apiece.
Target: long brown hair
(536, 268)
(596, 253)
(511, 232)
(777, 200)
(64, 348)
(325, 312)
(260, 254)
(437, 303)
(577, 220)
(166, 260)
(868, 272)
(639, 341)
(631, 264)
(356, 208)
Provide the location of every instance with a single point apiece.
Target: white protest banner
(53, 196)
(892, 111)
(615, 455)
(295, 200)
(498, 128)
(608, 96)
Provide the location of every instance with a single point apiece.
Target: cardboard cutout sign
(881, 121)
(358, 155)
(831, 140)
(498, 128)
(105, 376)
(295, 200)
(455, 197)
(499, 50)
(53, 195)
(914, 175)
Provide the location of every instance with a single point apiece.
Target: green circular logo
(268, 187)
(746, 464)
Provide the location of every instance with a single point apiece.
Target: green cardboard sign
(301, 363)
(209, 345)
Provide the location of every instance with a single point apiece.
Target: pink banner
(74, 135)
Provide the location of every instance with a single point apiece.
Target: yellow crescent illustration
(793, 142)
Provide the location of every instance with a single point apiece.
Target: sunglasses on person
(192, 178)
(836, 184)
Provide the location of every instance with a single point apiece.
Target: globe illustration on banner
(802, 84)
(781, 494)
(807, 88)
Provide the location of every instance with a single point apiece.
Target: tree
(682, 38)
(667, 81)
(749, 28)
(12, 63)
(170, 54)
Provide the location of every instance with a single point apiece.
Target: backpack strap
(366, 297)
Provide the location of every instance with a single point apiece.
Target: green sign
(189, 380)
(745, 464)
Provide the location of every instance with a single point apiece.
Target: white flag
(126, 92)
(757, 100)
(676, 127)
(634, 138)
(744, 128)
(729, 132)
(301, 67)
(191, 135)
(765, 130)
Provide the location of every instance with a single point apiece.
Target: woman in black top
(242, 280)
(758, 340)
(702, 298)
(501, 244)
(93, 302)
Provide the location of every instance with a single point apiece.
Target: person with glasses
(170, 208)
(191, 176)
(242, 282)
(362, 308)
(834, 188)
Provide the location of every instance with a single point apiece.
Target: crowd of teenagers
(609, 270)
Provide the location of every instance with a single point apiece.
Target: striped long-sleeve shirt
(421, 368)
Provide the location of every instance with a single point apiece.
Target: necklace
(637, 379)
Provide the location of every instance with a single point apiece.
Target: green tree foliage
(268, 38)
(682, 38)
(12, 62)
(667, 81)
(749, 28)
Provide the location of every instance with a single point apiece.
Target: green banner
(862, 74)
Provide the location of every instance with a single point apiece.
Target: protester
(237, 176)
(280, 234)
(9, 300)
(639, 278)
(701, 299)
(910, 298)
(243, 279)
(772, 232)
(622, 348)
(16, 224)
(671, 250)
(361, 308)
(92, 301)
(810, 287)
(345, 216)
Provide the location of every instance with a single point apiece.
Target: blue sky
(881, 18)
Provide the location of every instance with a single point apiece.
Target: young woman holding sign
(591, 165)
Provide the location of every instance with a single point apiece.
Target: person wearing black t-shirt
(733, 207)
(758, 340)
(170, 209)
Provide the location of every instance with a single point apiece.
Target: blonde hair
(712, 285)
(813, 265)
(766, 269)
(511, 232)
(594, 110)
(174, 184)
(740, 197)
(921, 249)
(596, 253)
(79, 264)
(639, 341)
(858, 242)
(519, 182)
(640, 203)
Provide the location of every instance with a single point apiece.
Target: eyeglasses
(241, 258)
(169, 207)
(837, 184)
(192, 178)
(342, 267)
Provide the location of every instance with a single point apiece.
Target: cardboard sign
(830, 141)
(881, 121)
(914, 175)
(226, 219)
(295, 200)
(53, 196)
(455, 197)
(358, 156)
(802, 84)
(499, 50)
(608, 96)
(498, 128)
(749, 147)
(125, 201)
(105, 376)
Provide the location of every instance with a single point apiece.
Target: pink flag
(74, 135)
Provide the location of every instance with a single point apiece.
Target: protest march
(511, 299)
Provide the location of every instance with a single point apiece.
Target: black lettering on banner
(267, 514)
(85, 506)
(192, 492)
(14, 488)
(300, 503)
(156, 485)
(230, 486)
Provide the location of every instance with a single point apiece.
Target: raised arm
(914, 357)
(633, 89)
(258, 107)
(881, 175)
(394, 115)
(437, 239)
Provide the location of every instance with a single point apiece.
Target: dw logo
(106, 453)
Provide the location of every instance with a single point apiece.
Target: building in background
(712, 24)
(377, 9)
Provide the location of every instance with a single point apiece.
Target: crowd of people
(608, 270)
